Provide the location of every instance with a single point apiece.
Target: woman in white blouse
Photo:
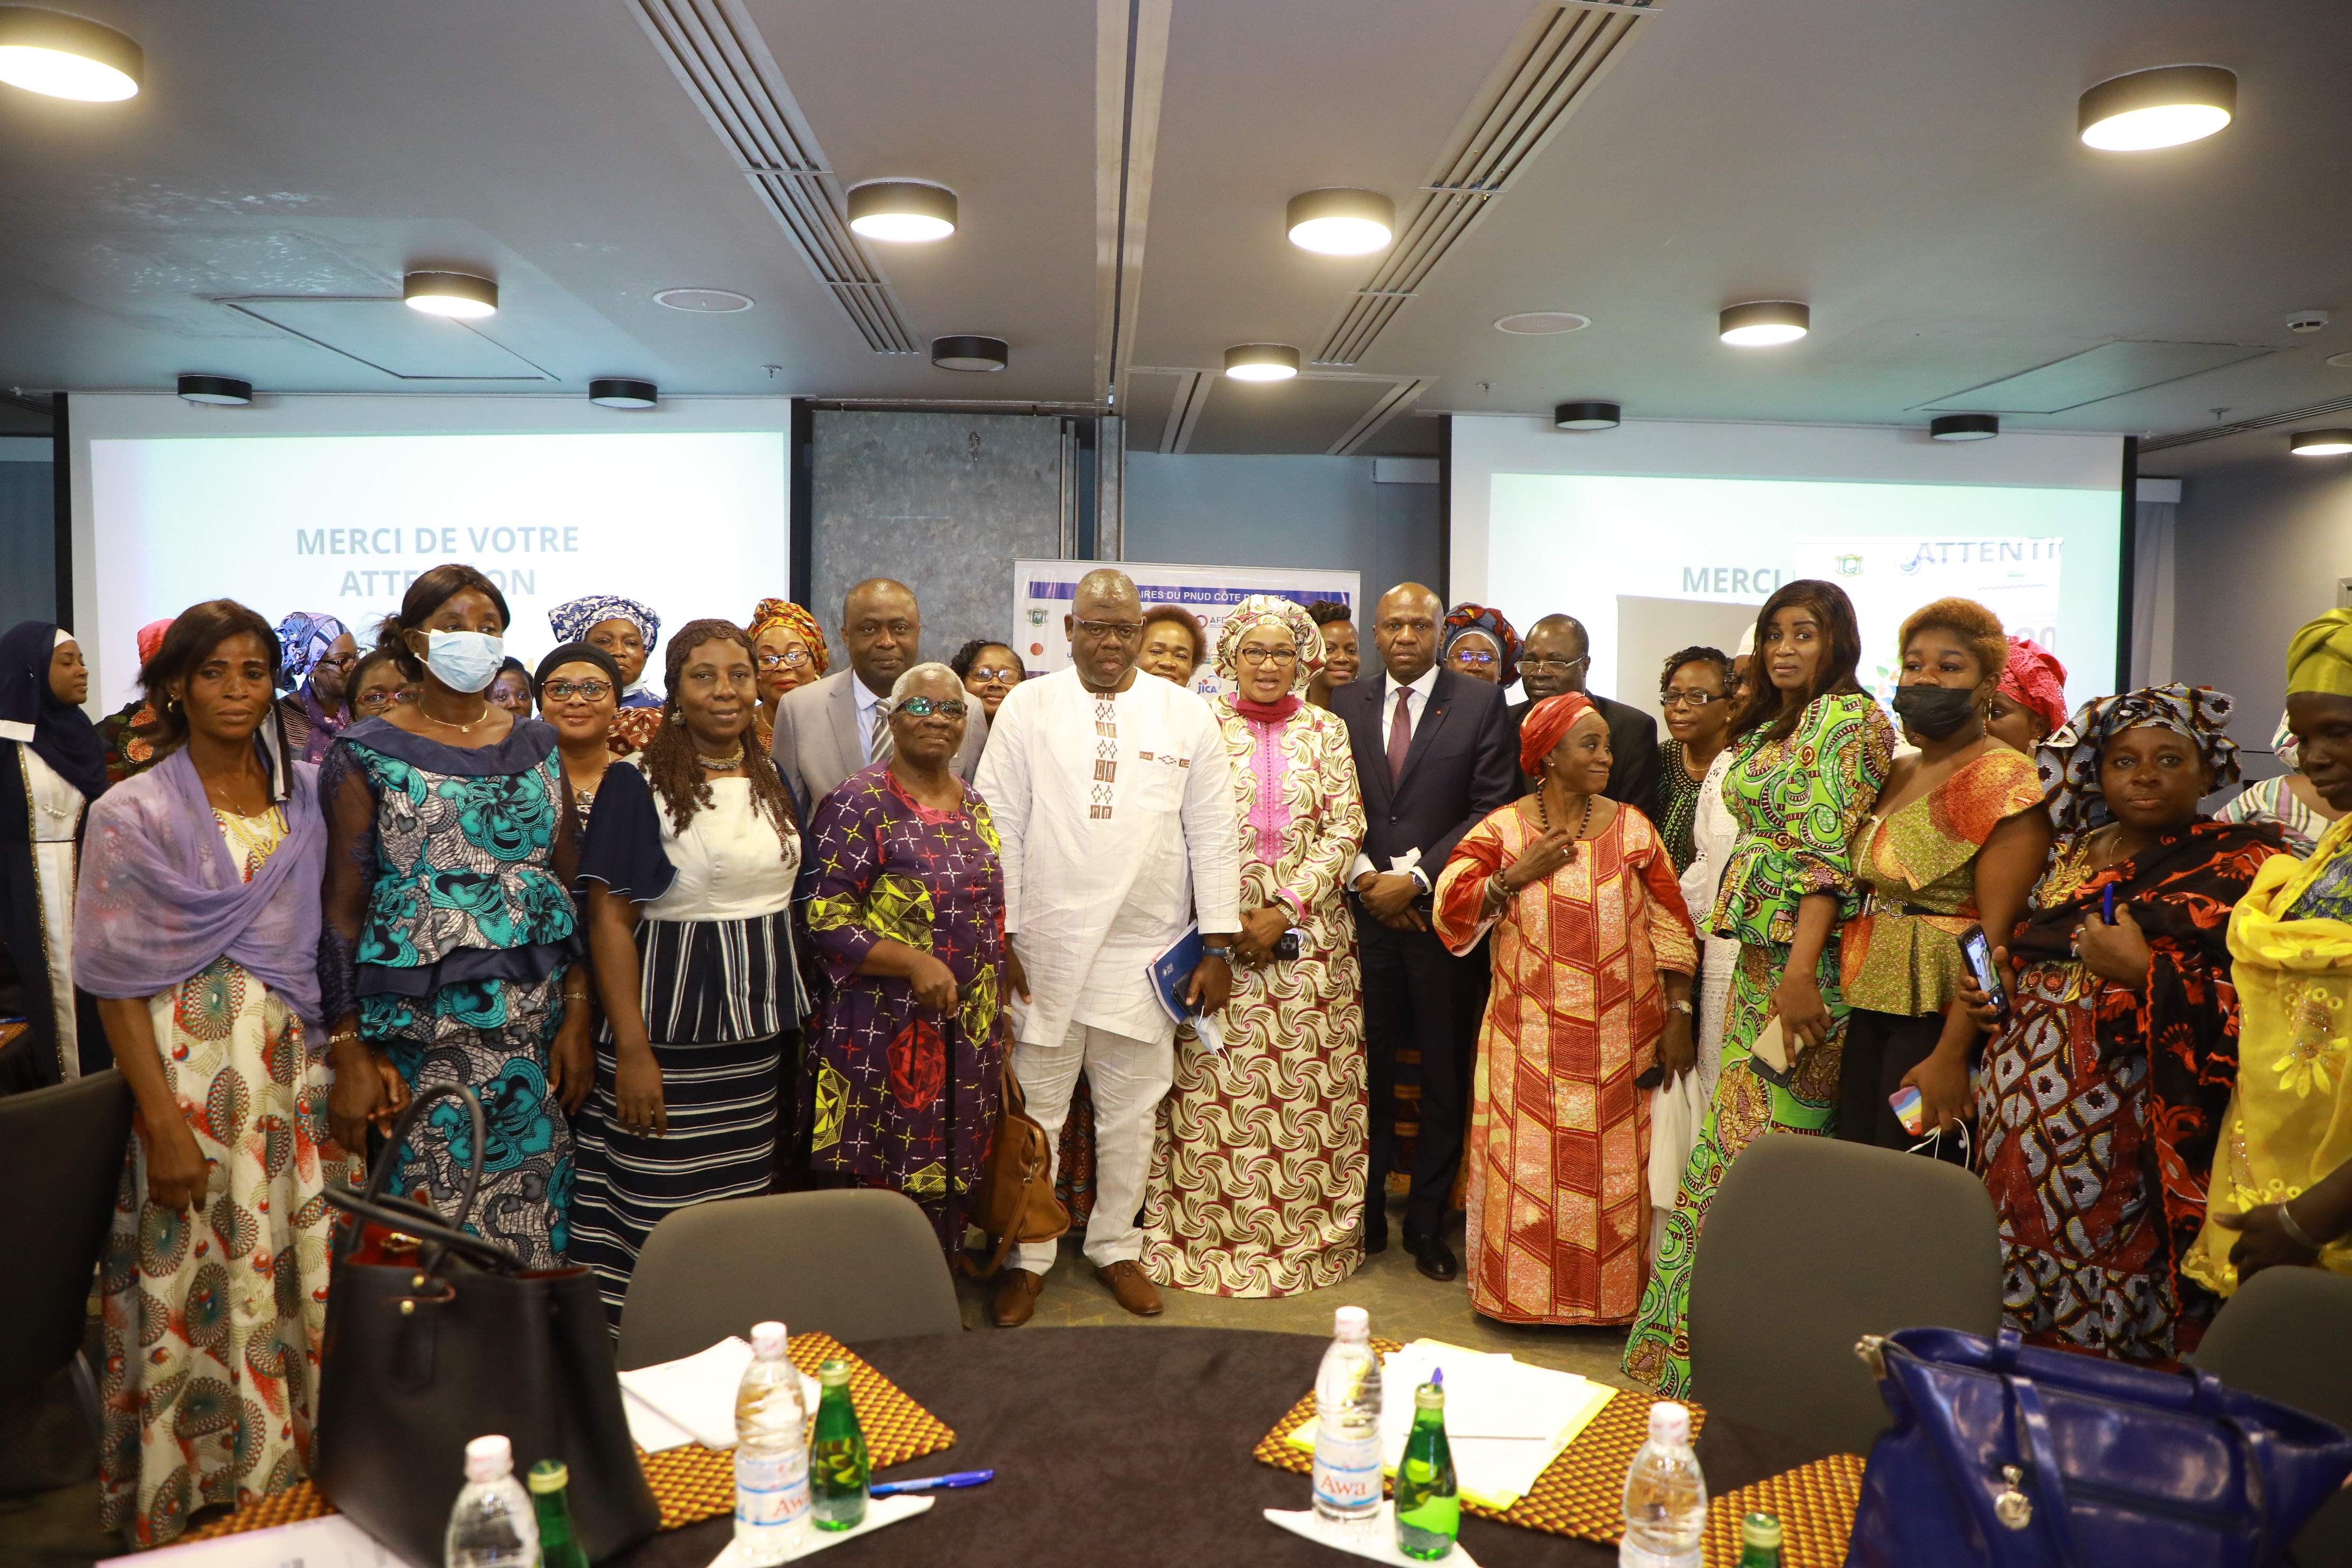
(1679, 1107)
(689, 866)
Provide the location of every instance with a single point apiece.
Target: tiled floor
(1402, 1303)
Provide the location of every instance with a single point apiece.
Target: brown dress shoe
(1016, 1299)
(1131, 1287)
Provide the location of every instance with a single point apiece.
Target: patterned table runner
(1814, 1504)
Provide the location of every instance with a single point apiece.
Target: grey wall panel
(29, 544)
(1281, 511)
(944, 502)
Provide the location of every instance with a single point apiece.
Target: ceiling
(1909, 170)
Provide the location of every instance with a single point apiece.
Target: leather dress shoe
(1131, 1287)
(1376, 1242)
(1016, 1299)
(1432, 1257)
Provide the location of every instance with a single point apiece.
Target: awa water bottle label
(1348, 1474)
(771, 1491)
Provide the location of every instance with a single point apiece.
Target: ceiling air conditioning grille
(718, 56)
(1555, 60)
(2239, 427)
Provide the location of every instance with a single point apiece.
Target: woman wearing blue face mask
(452, 953)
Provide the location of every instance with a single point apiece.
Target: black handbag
(434, 1338)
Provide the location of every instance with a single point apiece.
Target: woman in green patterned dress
(1811, 748)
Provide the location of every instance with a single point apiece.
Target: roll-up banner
(1041, 591)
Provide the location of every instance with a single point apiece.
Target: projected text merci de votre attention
(432, 546)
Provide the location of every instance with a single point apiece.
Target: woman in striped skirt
(689, 866)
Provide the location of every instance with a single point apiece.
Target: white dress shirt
(1414, 707)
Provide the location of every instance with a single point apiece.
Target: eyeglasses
(1002, 676)
(377, 701)
(1470, 657)
(1691, 698)
(1114, 631)
(1552, 666)
(339, 660)
(791, 659)
(1254, 657)
(566, 690)
(924, 707)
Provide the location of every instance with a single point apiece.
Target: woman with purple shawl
(197, 929)
(315, 656)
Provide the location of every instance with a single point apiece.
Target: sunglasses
(924, 707)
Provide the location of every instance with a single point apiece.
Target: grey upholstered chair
(1810, 1244)
(60, 1161)
(857, 1265)
(2284, 1336)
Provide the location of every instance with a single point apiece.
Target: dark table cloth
(1132, 1446)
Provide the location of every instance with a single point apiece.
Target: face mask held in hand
(464, 661)
(1933, 712)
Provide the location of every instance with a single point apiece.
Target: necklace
(465, 729)
(1543, 814)
(733, 759)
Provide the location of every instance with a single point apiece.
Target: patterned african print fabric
(129, 751)
(1558, 1223)
(213, 1317)
(2272, 800)
(634, 728)
(895, 1094)
(1798, 802)
(1259, 1154)
(1676, 808)
(2099, 1109)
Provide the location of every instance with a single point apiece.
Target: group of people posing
(774, 925)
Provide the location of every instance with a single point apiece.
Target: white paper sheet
(696, 1393)
(333, 1541)
(1374, 1538)
(880, 1511)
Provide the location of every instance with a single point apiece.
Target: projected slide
(692, 524)
(1651, 565)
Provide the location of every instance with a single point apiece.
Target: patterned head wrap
(1546, 722)
(2319, 656)
(151, 637)
(2034, 679)
(1267, 610)
(2070, 758)
(571, 622)
(799, 622)
(303, 639)
(2286, 748)
(1489, 624)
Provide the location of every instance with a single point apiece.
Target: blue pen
(933, 1483)
(2108, 903)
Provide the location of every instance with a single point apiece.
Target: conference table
(1132, 1446)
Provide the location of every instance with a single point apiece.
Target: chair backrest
(2282, 1336)
(857, 1265)
(1810, 1244)
(61, 1164)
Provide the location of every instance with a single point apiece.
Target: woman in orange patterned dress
(1593, 958)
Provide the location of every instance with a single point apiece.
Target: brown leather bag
(1014, 1200)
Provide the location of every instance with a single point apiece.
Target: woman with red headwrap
(2030, 704)
(1593, 958)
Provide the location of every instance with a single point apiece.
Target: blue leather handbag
(2006, 1457)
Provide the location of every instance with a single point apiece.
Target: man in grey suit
(827, 731)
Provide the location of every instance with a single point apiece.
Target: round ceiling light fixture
(1963, 428)
(1764, 323)
(1586, 416)
(903, 212)
(217, 391)
(1539, 323)
(2161, 108)
(704, 302)
(967, 352)
(459, 294)
(2320, 443)
(59, 56)
(620, 392)
(1262, 362)
(2341, 361)
(1340, 222)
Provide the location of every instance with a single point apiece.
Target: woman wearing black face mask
(1956, 839)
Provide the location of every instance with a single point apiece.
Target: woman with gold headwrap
(2283, 1194)
(1257, 1170)
(788, 648)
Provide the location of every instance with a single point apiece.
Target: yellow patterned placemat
(1814, 1504)
(1581, 1493)
(690, 1483)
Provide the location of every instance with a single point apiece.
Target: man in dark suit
(1435, 753)
(1554, 660)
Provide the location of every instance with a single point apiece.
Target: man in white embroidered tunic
(1114, 805)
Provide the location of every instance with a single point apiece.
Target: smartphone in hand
(1978, 950)
(1905, 1101)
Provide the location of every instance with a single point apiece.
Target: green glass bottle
(838, 1471)
(1428, 1502)
(1760, 1542)
(559, 1543)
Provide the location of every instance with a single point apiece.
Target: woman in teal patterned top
(1811, 750)
(449, 932)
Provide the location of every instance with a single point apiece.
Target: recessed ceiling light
(1763, 324)
(2320, 443)
(902, 211)
(1535, 323)
(2161, 108)
(966, 352)
(619, 392)
(1963, 428)
(1262, 362)
(67, 57)
(1341, 222)
(219, 391)
(450, 294)
(2341, 361)
(707, 301)
(1585, 416)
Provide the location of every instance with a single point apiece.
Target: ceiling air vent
(718, 55)
(1555, 60)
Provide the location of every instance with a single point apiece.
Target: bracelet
(339, 1035)
(2294, 1232)
(1682, 1006)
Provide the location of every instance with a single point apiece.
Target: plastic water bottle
(1348, 1421)
(493, 1525)
(1666, 1497)
(771, 1478)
